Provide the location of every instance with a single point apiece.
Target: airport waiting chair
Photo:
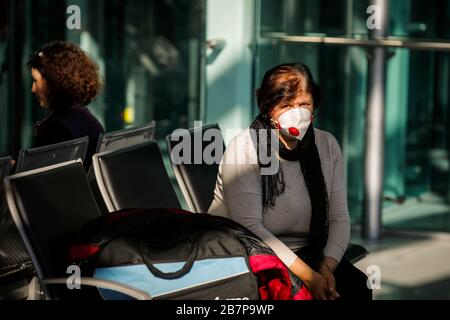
(16, 268)
(15, 265)
(5, 168)
(15, 260)
(13, 256)
(52, 154)
(355, 252)
(49, 217)
(126, 138)
(134, 177)
(114, 141)
(196, 180)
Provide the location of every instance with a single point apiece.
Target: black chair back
(49, 205)
(197, 177)
(52, 154)
(5, 168)
(114, 141)
(14, 259)
(355, 252)
(134, 177)
(126, 138)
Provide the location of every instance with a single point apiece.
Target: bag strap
(193, 238)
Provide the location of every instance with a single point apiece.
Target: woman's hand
(317, 284)
(327, 274)
(321, 284)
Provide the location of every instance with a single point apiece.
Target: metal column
(374, 146)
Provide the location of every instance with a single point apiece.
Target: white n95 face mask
(295, 122)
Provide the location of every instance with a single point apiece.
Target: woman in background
(301, 210)
(65, 80)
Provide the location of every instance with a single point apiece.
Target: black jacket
(68, 124)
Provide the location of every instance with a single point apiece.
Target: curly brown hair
(71, 76)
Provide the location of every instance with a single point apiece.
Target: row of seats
(130, 174)
(127, 172)
(15, 264)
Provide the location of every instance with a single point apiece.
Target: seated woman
(65, 80)
(300, 211)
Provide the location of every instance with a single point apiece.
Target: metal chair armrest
(104, 284)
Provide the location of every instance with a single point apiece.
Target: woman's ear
(275, 123)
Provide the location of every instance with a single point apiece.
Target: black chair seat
(47, 217)
(355, 252)
(15, 263)
(114, 141)
(134, 177)
(197, 180)
(5, 168)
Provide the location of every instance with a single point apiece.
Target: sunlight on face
(304, 100)
(39, 87)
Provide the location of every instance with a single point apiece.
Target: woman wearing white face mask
(300, 211)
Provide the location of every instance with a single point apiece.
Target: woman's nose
(33, 88)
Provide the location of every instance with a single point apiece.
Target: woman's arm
(339, 222)
(240, 177)
(315, 282)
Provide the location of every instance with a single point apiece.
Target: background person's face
(39, 87)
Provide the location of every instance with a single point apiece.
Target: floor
(412, 265)
(428, 212)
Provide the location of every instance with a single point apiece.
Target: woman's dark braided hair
(280, 86)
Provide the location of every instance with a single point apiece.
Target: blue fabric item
(139, 277)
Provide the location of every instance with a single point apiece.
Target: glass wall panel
(416, 191)
(417, 141)
(297, 17)
(149, 54)
(420, 19)
(407, 18)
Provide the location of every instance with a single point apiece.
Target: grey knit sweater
(238, 196)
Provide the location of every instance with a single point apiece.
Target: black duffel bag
(168, 254)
